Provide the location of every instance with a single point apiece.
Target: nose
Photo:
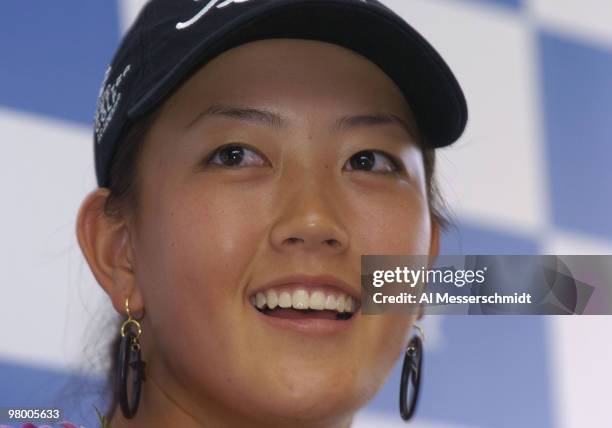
(309, 223)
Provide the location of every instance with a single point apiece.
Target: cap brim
(401, 52)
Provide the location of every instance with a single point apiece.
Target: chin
(315, 397)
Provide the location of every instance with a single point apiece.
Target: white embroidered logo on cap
(209, 6)
(108, 101)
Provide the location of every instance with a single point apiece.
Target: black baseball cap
(171, 39)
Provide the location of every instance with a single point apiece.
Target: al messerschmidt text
(446, 298)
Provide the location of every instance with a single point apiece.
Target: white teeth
(299, 299)
(271, 299)
(348, 305)
(284, 300)
(260, 300)
(330, 302)
(317, 300)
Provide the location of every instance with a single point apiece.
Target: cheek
(382, 344)
(196, 247)
(201, 243)
(392, 223)
(195, 244)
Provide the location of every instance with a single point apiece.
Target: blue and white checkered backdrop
(531, 175)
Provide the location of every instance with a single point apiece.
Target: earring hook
(421, 331)
(127, 311)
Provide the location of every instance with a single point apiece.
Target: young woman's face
(279, 157)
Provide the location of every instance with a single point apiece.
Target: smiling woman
(243, 171)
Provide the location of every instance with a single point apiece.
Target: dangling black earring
(129, 357)
(411, 376)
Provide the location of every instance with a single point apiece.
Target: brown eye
(374, 161)
(236, 155)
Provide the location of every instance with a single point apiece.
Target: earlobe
(434, 251)
(104, 242)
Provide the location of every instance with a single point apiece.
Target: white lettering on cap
(108, 101)
(209, 6)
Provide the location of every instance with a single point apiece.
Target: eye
(236, 155)
(374, 161)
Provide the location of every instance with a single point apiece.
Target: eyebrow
(276, 121)
(364, 120)
(246, 114)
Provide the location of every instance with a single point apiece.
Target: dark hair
(123, 199)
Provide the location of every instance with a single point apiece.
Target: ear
(105, 243)
(434, 243)
(421, 312)
(434, 251)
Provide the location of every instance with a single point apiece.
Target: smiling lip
(310, 326)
